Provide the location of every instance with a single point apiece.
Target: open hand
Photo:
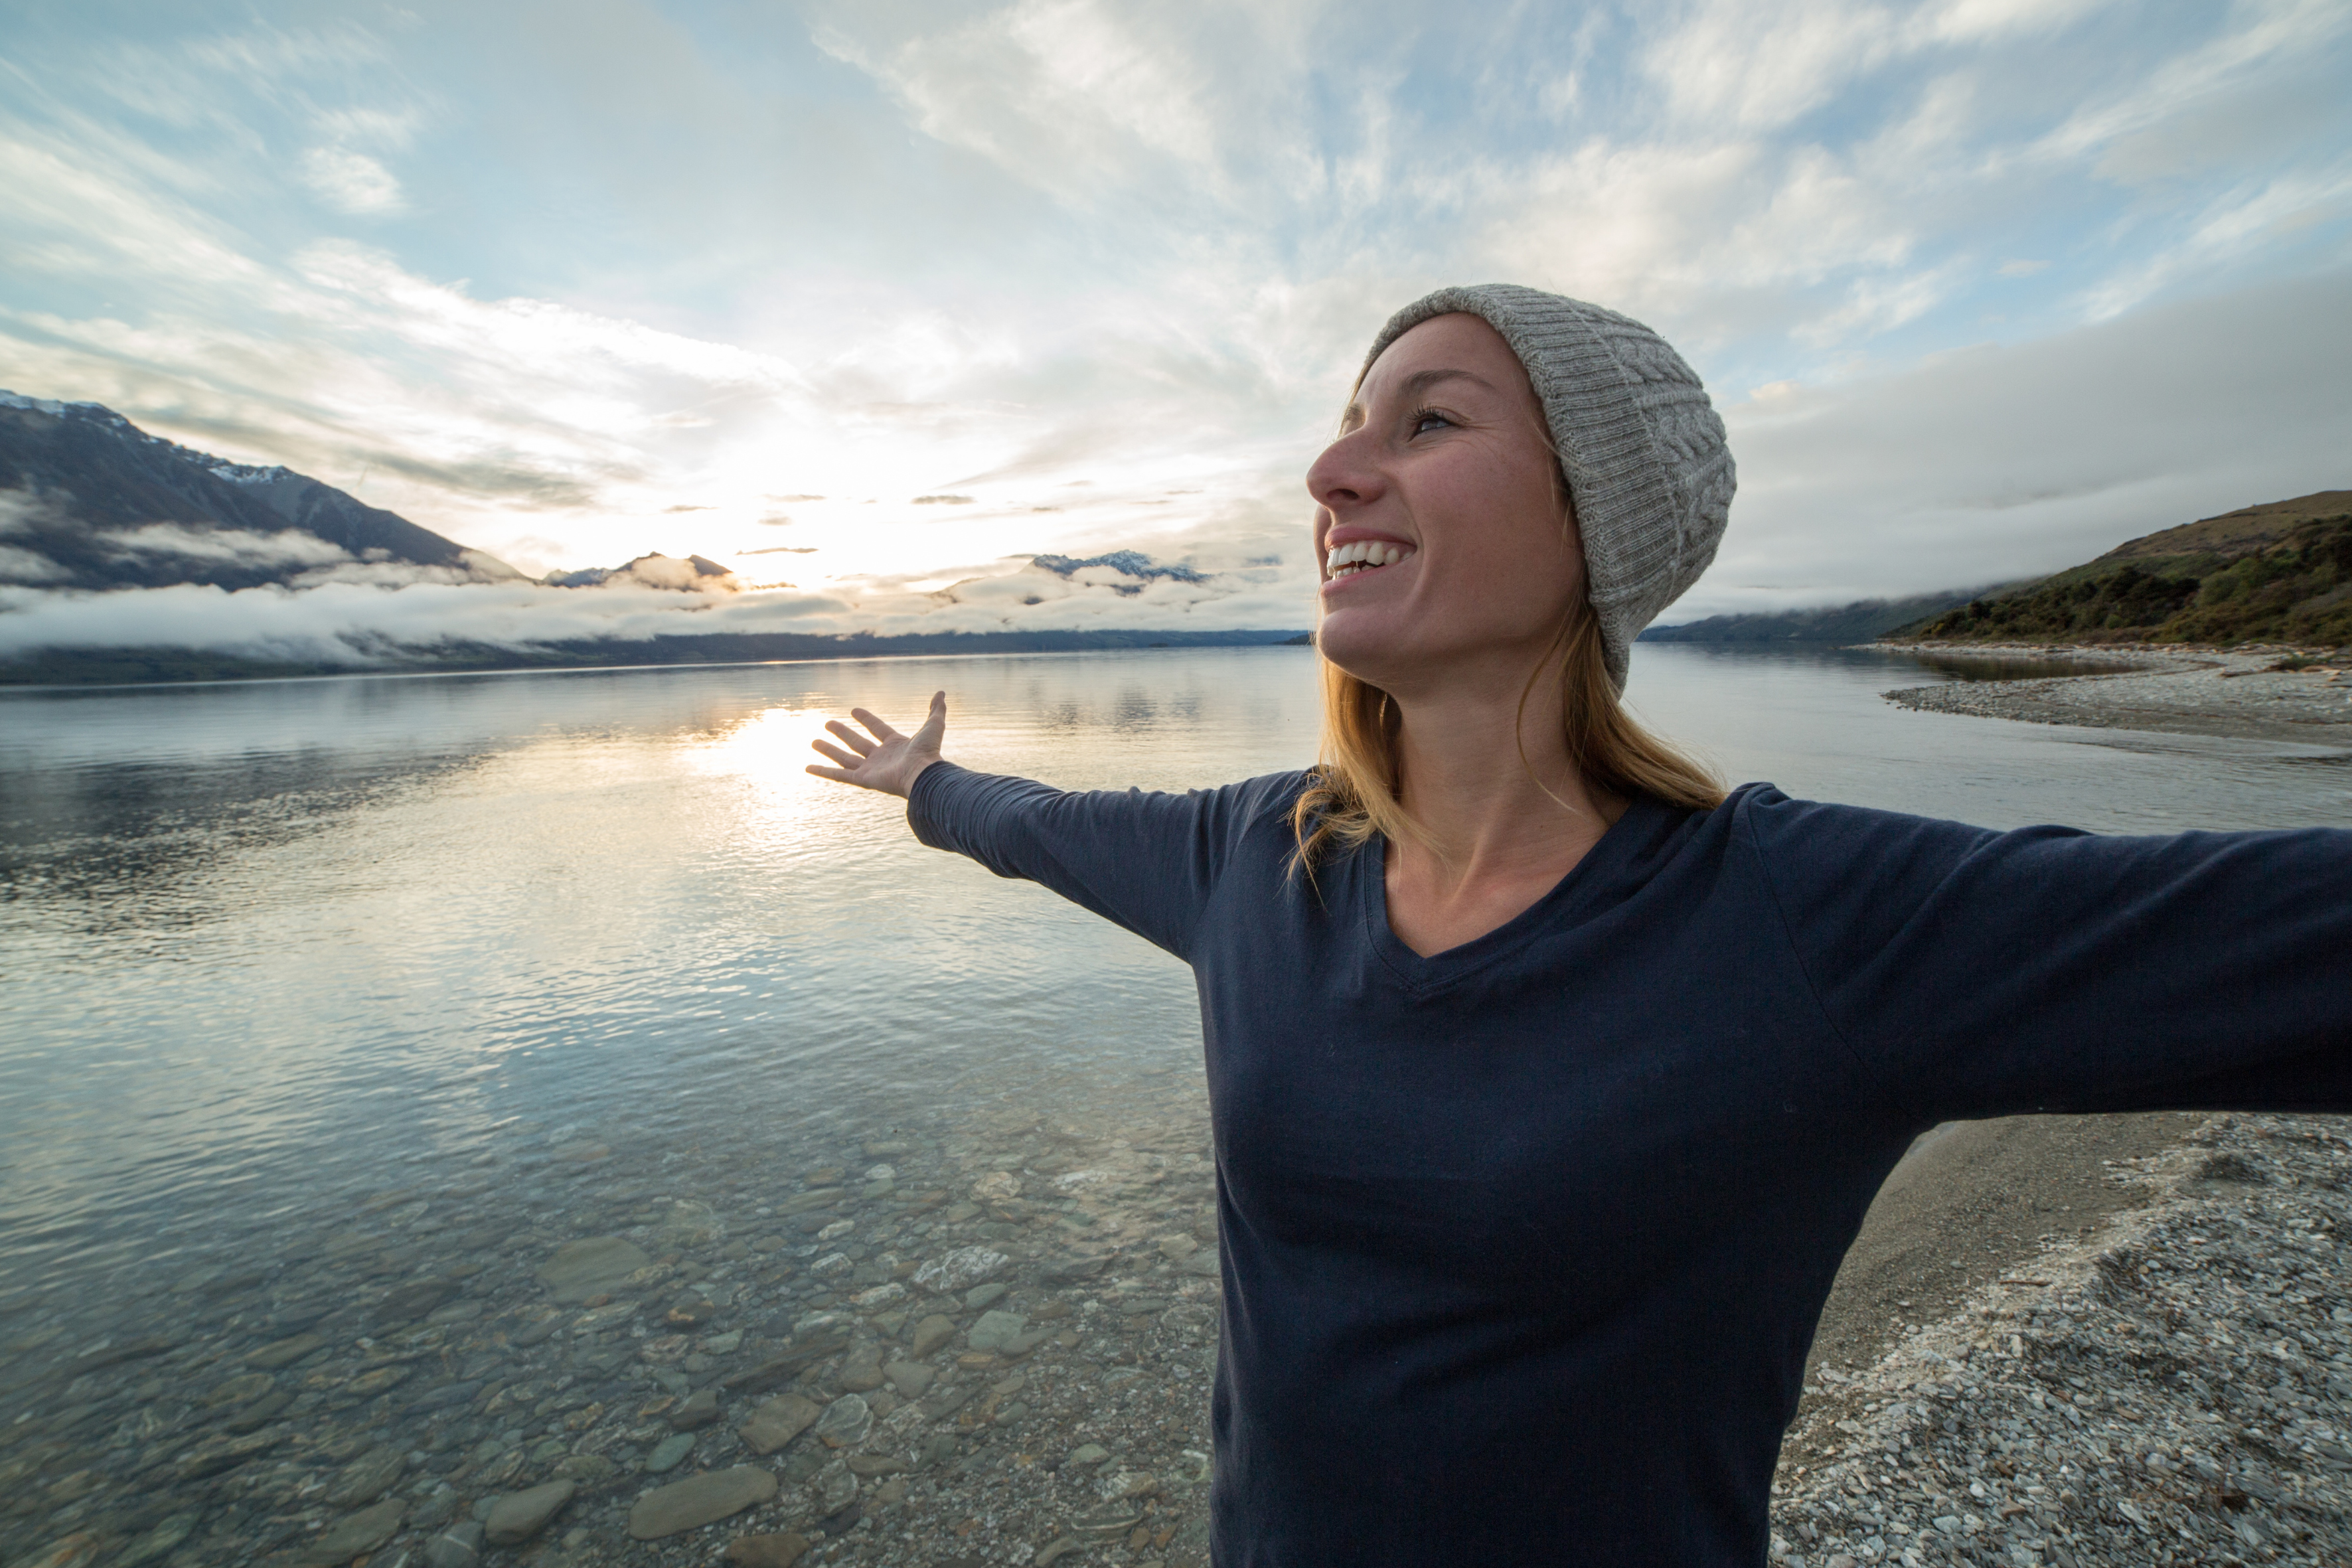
(889, 762)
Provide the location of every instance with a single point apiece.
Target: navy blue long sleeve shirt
(1525, 1242)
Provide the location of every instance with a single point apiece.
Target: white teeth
(1364, 555)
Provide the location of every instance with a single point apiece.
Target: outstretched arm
(1148, 862)
(890, 761)
(1980, 973)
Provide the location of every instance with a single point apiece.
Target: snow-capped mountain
(89, 501)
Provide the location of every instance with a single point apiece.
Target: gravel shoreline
(2176, 1390)
(2238, 694)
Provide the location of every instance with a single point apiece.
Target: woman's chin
(1356, 644)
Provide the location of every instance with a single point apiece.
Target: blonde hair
(1355, 792)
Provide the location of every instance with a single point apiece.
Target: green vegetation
(2277, 573)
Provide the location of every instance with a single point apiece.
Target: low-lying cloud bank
(2007, 461)
(342, 621)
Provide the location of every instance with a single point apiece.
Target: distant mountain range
(90, 504)
(1129, 563)
(1865, 620)
(654, 571)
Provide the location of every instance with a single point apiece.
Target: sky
(872, 301)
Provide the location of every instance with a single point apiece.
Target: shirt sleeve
(1147, 861)
(1982, 974)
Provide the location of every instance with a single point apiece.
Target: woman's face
(1438, 526)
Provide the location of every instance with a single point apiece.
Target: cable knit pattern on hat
(1648, 469)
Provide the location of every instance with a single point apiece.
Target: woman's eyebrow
(1413, 387)
(1421, 381)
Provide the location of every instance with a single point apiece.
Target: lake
(334, 1009)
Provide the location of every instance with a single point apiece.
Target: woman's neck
(1504, 829)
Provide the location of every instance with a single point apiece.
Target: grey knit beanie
(1648, 470)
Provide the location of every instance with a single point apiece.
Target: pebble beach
(2176, 1390)
(2247, 693)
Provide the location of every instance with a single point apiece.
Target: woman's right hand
(889, 762)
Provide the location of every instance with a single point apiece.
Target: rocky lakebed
(989, 1343)
(991, 1339)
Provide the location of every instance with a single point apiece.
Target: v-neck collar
(1617, 845)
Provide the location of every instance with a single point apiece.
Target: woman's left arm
(1981, 974)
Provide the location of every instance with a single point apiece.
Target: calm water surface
(265, 941)
(275, 950)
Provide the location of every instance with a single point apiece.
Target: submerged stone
(952, 1273)
(590, 1268)
(369, 1477)
(362, 1531)
(766, 1550)
(521, 1515)
(995, 1330)
(847, 1422)
(699, 1500)
(778, 1422)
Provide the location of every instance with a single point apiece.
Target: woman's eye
(1427, 419)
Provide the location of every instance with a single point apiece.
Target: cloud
(292, 547)
(351, 182)
(18, 565)
(1064, 256)
(1761, 64)
(1075, 95)
(1997, 461)
(361, 616)
(25, 508)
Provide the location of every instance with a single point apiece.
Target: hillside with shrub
(2279, 572)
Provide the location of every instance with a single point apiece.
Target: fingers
(842, 777)
(856, 742)
(876, 763)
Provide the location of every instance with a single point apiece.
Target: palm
(882, 759)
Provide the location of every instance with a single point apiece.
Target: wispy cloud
(351, 182)
(291, 547)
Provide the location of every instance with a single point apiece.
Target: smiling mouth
(1363, 556)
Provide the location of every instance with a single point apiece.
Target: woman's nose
(1340, 478)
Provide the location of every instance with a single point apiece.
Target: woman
(1549, 1084)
